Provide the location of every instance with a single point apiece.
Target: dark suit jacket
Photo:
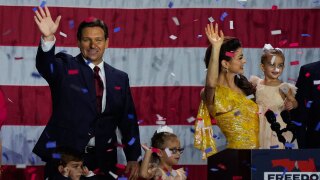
(307, 135)
(75, 119)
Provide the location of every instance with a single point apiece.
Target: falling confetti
(117, 29)
(293, 63)
(63, 34)
(275, 32)
(173, 37)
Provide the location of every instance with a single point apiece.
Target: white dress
(269, 97)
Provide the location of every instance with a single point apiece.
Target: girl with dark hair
(225, 97)
(164, 153)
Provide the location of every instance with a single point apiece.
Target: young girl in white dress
(275, 100)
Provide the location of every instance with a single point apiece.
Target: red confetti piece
(18, 58)
(117, 88)
(294, 44)
(155, 150)
(213, 121)
(120, 145)
(73, 71)
(90, 19)
(236, 177)
(230, 54)
(318, 87)
(121, 166)
(274, 7)
(292, 63)
(283, 42)
(221, 166)
(199, 119)
(307, 74)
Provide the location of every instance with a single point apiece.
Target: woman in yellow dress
(226, 97)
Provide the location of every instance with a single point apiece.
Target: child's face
(73, 170)
(273, 67)
(173, 147)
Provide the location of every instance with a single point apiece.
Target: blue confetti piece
(131, 116)
(6, 156)
(284, 171)
(192, 130)
(208, 150)
(51, 68)
(224, 15)
(117, 29)
(56, 156)
(132, 141)
(305, 35)
(289, 145)
(84, 90)
(34, 9)
(32, 160)
(170, 5)
(122, 178)
(43, 3)
(187, 170)
(36, 75)
(253, 168)
(51, 144)
(168, 173)
(71, 24)
(297, 123)
(274, 147)
(318, 126)
(308, 105)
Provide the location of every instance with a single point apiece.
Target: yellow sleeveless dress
(237, 117)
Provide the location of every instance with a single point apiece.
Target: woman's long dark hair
(231, 44)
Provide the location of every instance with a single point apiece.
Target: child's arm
(290, 101)
(146, 171)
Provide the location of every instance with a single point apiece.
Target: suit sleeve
(304, 85)
(129, 128)
(48, 65)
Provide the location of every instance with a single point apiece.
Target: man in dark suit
(308, 112)
(90, 100)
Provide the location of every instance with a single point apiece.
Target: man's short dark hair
(92, 22)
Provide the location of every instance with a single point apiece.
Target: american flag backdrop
(161, 45)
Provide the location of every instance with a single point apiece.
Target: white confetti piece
(159, 117)
(231, 25)
(113, 175)
(21, 166)
(10, 100)
(191, 119)
(167, 150)
(316, 82)
(273, 59)
(200, 124)
(275, 32)
(176, 21)
(173, 37)
(251, 96)
(199, 35)
(63, 34)
(211, 19)
(172, 74)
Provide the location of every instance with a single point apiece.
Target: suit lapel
(109, 84)
(87, 75)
